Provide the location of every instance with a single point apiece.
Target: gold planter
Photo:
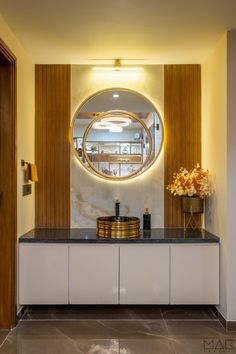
(193, 205)
(118, 227)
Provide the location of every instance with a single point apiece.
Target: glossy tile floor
(118, 330)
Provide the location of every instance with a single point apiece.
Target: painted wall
(231, 172)
(214, 150)
(25, 124)
(219, 156)
(91, 196)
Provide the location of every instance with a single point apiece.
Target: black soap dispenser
(146, 220)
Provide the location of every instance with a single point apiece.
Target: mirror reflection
(114, 144)
(117, 134)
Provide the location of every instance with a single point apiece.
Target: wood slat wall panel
(52, 146)
(182, 114)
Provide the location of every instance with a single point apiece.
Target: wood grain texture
(182, 117)
(52, 146)
(8, 186)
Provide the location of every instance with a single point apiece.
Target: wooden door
(8, 200)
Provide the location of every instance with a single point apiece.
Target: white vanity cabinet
(93, 274)
(144, 274)
(78, 273)
(194, 274)
(43, 273)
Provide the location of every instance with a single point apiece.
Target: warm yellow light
(117, 67)
(118, 75)
(113, 68)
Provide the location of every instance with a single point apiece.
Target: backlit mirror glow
(117, 134)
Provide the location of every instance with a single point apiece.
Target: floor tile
(138, 329)
(22, 345)
(88, 337)
(3, 335)
(98, 346)
(19, 345)
(92, 312)
(187, 312)
(195, 329)
(113, 329)
(145, 312)
(119, 330)
(197, 337)
(92, 329)
(203, 345)
(161, 346)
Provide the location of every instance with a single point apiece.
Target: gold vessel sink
(118, 227)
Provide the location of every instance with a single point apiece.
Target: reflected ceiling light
(115, 129)
(102, 125)
(115, 95)
(117, 67)
(118, 121)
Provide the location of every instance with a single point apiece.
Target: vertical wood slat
(182, 114)
(52, 146)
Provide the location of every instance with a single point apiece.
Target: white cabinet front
(43, 274)
(144, 274)
(93, 274)
(195, 274)
(113, 274)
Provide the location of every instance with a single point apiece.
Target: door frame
(8, 233)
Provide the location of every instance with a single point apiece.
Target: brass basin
(118, 227)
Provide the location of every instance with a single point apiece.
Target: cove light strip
(113, 68)
(117, 67)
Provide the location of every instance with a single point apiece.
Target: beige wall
(25, 124)
(219, 156)
(214, 149)
(231, 173)
(91, 196)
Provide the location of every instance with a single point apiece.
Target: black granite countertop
(165, 235)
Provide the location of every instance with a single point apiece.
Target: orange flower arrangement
(193, 183)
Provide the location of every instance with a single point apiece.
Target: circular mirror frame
(91, 168)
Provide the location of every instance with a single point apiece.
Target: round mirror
(117, 134)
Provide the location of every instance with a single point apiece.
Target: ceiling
(127, 101)
(143, 31)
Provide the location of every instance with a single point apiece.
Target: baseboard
(228, 325)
